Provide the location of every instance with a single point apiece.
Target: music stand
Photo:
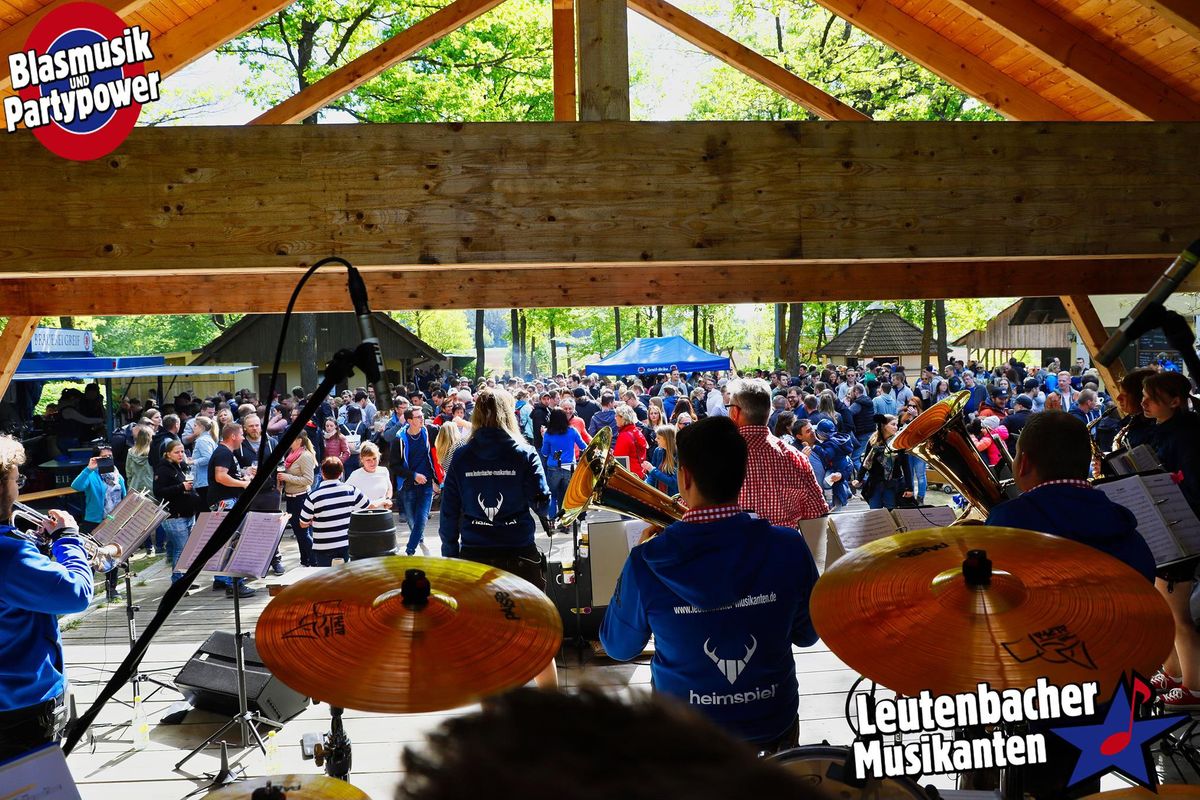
(249, 556)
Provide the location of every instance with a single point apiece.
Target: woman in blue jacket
(660, 469)
(102, 491)
(559, 445)
(496, 479)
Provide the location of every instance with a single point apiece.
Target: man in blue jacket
(725, 595)
(33, 590)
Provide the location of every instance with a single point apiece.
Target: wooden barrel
(372, 533)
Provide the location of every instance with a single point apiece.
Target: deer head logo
(731, 668)
(491, 511)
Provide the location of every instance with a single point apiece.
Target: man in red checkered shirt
(780, 485)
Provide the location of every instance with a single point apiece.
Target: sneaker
(277, 566)
(243, 591)
(424, 549)
(1162, 683)
(1181, 698)
(218, 585)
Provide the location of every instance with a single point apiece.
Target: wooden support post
(1087, 323)
(563, 40)
(13, 342)
(603, 31)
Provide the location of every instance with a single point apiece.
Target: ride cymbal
(358, 636)
(292, 787)
(900, 611)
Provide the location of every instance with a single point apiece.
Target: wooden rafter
(563, 38)
(747, 61)
(13, 342)
(362, 69)
(1091, 330)
(602, 35)
(526, 286)
(1183, 14)
(939, 55)
(207, 199)
(12, 39)
(199, 35)
(1057, 41)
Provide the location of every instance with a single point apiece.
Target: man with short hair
(885, 402)
(845, 386)
(1086, 408)
(978, 393)
(411, 464)
(1033, 390)
(1015, 422)
(327, 511)
(900, 389)
(780, 485)
(698, 586)
(606, 417)
(226, 482)
(167, 433)
(539, 417)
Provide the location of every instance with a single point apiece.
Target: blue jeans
(882, 497)
(416, 500)
(857, 456)
(177, 530)
(303, 535)
(324, 558)
(558, 479)
(919, 469)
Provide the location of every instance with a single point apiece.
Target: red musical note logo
(1120, 740)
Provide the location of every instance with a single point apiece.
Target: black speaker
(209, 681)
(563, 596)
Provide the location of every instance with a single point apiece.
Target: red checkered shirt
(780, 485)
(712, 513)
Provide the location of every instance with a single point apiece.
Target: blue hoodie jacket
(1082, 515)
(834, 454)
(33, 590)
(725, 601)
(93, 487)
(493, 482)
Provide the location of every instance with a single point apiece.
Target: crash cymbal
(1138, 793)
(357, 636)
(291, 787)
(900, 611)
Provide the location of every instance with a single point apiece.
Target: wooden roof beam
(745, 60)
(563, 39)
(1182, 14)
(1057, 41)
(18, 332)
(12, 39)
(939, 55)
(204, 32)
(308, 101)
(528, 286)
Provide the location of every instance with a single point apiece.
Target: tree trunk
(696, 326)
(792, 345)
(821, 329)
(637, 321)
(943, 349)
(658, 313)
(617, 325)
(780, 336)
(926, 332)
(526, 355)
(514, 322)
(306, 324)
(553, 350)
(712, 338)
(479, 354)
(66, 322)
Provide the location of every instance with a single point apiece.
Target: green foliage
(834, 56)
(496, 67)
(445, 331)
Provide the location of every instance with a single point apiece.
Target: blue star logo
(1120, 742)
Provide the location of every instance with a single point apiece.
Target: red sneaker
(1162, 683)
(1181, 699)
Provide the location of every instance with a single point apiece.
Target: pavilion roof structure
(926, 211)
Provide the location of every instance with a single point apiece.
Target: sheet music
(40, 775)
(108, 529)
(1174, 509)
(824, 545)
(855, 530)
(1133, 494)
(202, 531)
(916, 519)
(256, 544)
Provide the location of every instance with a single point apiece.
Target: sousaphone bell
(599, 480)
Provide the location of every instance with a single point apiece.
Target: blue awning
(126, 367)
(659, 355)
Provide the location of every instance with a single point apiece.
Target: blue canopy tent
(659, 355)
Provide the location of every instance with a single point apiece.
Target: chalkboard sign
(1153, 343)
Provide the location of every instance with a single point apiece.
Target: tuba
(939, 437)
(103, 557)
(600, 481)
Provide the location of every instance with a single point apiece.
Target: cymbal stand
(245, 718)
(334, 752)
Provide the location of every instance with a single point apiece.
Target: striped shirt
(328, 507)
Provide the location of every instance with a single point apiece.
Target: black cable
(224, 532)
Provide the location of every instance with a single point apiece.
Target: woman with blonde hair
(373, 481)
(448, 440)
(203, 445)
(661, 468)
(494, 481)
(139, 475)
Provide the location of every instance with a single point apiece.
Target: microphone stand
(1177, 331)
(340, 368)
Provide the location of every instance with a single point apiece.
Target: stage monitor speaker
(209, 681)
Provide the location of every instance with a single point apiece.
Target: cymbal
(900, 612)
(294, 787)
(1138, 793)
(350, 638)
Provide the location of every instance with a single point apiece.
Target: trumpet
(103, 557)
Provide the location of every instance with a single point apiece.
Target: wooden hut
(878, 335)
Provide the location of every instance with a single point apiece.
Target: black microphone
(1150, 303)
(374, 372)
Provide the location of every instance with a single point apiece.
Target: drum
(288, 787)
(824, 768)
